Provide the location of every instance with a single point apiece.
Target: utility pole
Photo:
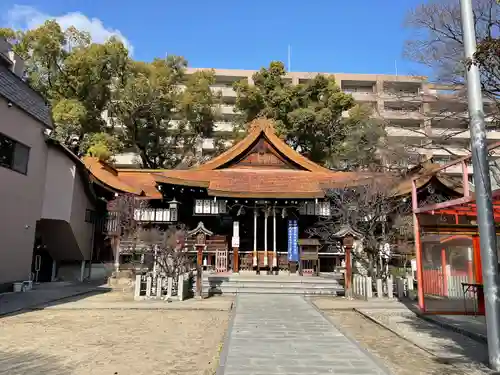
(482, 182)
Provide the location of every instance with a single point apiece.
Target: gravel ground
(448, 346)
(399, 355)
(111, 342)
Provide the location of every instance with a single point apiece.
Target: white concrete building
(415, 111)
(47, 204)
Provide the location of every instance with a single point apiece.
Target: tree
(374, 213)
(437, 42)
(85, 82)
(74, 75)
(160, 113)
(130, 235)
(487, 58)
(380, 217)
(310, 117)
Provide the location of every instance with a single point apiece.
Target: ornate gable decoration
(261, 148)
(262, 154)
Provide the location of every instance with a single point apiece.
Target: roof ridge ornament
(348, 230)
(200, 229)
(261, 124)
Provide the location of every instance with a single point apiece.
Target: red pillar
(348, 268)
(420, 268)
(443, 272)
(479, 274)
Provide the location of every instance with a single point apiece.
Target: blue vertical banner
(293, 241)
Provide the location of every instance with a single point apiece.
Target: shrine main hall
(254, 203)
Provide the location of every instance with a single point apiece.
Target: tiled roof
(23, 96)
(108, 176)
(251, 183)
(427, 171)
(223, 176)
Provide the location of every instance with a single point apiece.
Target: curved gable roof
(261, 128)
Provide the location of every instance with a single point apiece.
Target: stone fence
(148, 287)
(365, 287)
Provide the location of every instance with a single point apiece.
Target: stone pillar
(137, 288)
(180, 287)
(255, 260)
(115, 244)
(380, 289)
(266, 215)
(369, 290)
(149, 284)
(275, 252)
(409, 281)
(54, 271)
(82, 271)
(159, 285)
(390, 287)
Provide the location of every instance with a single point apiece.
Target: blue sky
(356, 36)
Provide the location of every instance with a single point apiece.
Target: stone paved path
(286, 335)
(45, 293)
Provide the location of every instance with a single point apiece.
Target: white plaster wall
(59, 186)
(81, 229)
(21, 196)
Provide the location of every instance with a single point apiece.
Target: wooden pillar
(275, 252)
(348, 242)
(266, 261)
(236, 260)
(199, 254)
(255, 259)
(199, 269)
(444, 273)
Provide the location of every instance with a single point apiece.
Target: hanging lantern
(173, 206)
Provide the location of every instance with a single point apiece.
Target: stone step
(272, 285)
(269, 279)
(302, 291)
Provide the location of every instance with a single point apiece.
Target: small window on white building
(13, 154)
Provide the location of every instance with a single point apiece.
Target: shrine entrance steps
(232, 284)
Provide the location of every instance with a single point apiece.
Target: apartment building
(429, 118)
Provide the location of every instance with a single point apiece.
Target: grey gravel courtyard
(111, 342)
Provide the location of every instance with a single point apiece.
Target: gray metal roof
(15, 90)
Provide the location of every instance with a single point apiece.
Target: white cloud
(26, 17)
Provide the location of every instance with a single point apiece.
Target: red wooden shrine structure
(449, 273)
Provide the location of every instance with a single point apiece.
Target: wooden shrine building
(253, 202)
